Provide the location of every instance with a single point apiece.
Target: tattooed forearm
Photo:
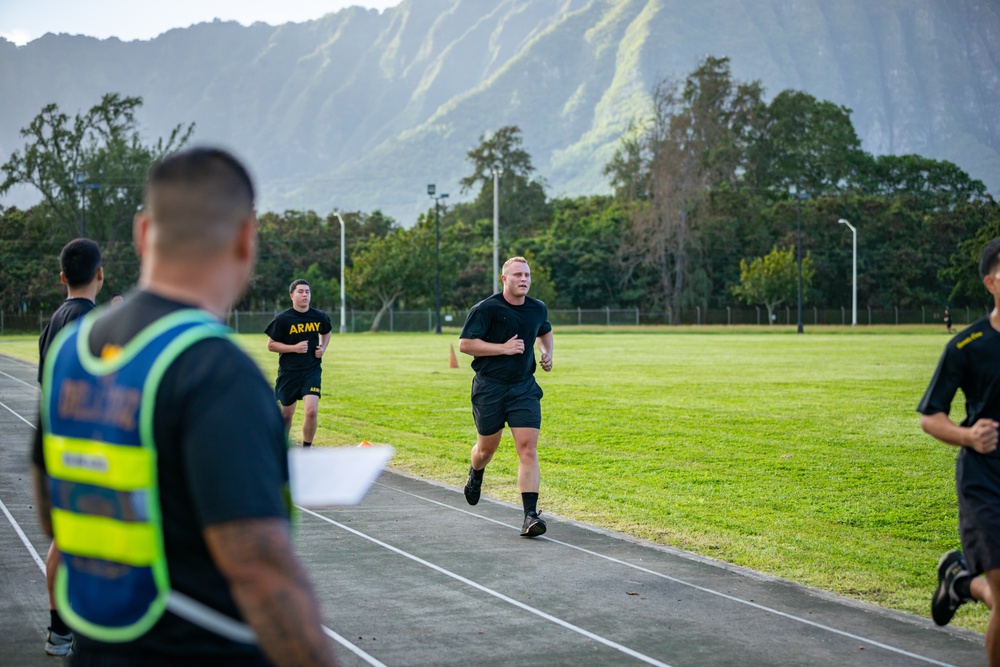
(271, 589)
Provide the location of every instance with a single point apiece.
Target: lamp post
(431, 189)
(496, 228)
(854, 273)
(799, 196)
(343, 300)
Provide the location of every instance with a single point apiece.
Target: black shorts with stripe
(291, 386)
(496, 403)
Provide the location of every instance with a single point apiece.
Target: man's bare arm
(271, 589)
(281, 348)
(981, 436)
(545, 347)
(43, 501)
(480, 348)
(324, 340)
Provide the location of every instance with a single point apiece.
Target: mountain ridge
(360, 109)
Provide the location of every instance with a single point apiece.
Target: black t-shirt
(495, 320)
(291, 327)
(970, 362)
(70, 310)
(221, 456)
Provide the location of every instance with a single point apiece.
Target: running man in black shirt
(971, 362)
(501, 332)
(299, 335)
(83, 275)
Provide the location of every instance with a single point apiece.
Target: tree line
(702, 214)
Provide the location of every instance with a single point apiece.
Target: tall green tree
(694, 141)
(805, 142)
(89, 169)
(772, 280)
(522, 202)
(387, 268)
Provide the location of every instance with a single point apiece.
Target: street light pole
(799, 196)
(343, 300)
(496, 228)
(431, 189)
(854, 273)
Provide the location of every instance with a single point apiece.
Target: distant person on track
(501, 332)
(83, 275)
(971, 362)
(299, 335)
(161, 464)
(947, 320)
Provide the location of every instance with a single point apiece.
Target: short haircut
(510, 261)
(196, 200)
(990, 257)
(296, 283)
(79, 261)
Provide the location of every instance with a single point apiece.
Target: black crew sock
(306, 444)
(57, 624)
(963, 587)
(530, 501)
(478, 474)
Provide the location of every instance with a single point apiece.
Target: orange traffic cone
(452, 361)
(365, 443)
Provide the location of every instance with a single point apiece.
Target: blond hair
(512, 260)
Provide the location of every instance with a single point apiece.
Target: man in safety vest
(161, 465)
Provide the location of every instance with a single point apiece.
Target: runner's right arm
(281, 348)
(981, 436)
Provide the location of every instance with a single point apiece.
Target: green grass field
(798, 456)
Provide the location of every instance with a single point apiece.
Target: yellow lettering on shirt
(306, 327)
(973, 336)
(109, 352)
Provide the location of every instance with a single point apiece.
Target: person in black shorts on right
(501, 332)
(299, 335)
(971, 362)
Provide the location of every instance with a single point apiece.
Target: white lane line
(11, 411)
(352, 648)
(489, 591)
(41, 564)
(15, 379)
(24, 538)
(675, 580)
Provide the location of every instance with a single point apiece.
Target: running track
(414, 576)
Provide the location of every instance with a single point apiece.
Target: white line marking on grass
(24, 538)
(726, 596)
(479, 587)
(26, 384)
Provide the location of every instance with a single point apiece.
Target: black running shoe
(473, 487)
(946, 601)
(533, 526)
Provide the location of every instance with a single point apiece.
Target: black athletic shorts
(495, 403)
(977, 480)
(291, 386)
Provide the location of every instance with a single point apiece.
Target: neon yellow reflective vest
(100, 455)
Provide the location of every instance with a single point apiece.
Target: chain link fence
(397, 321)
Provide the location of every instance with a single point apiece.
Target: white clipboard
(334, 476)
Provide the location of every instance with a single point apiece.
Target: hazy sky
(24, 20)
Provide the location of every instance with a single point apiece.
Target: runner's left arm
(324, 340)
(545, 344)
